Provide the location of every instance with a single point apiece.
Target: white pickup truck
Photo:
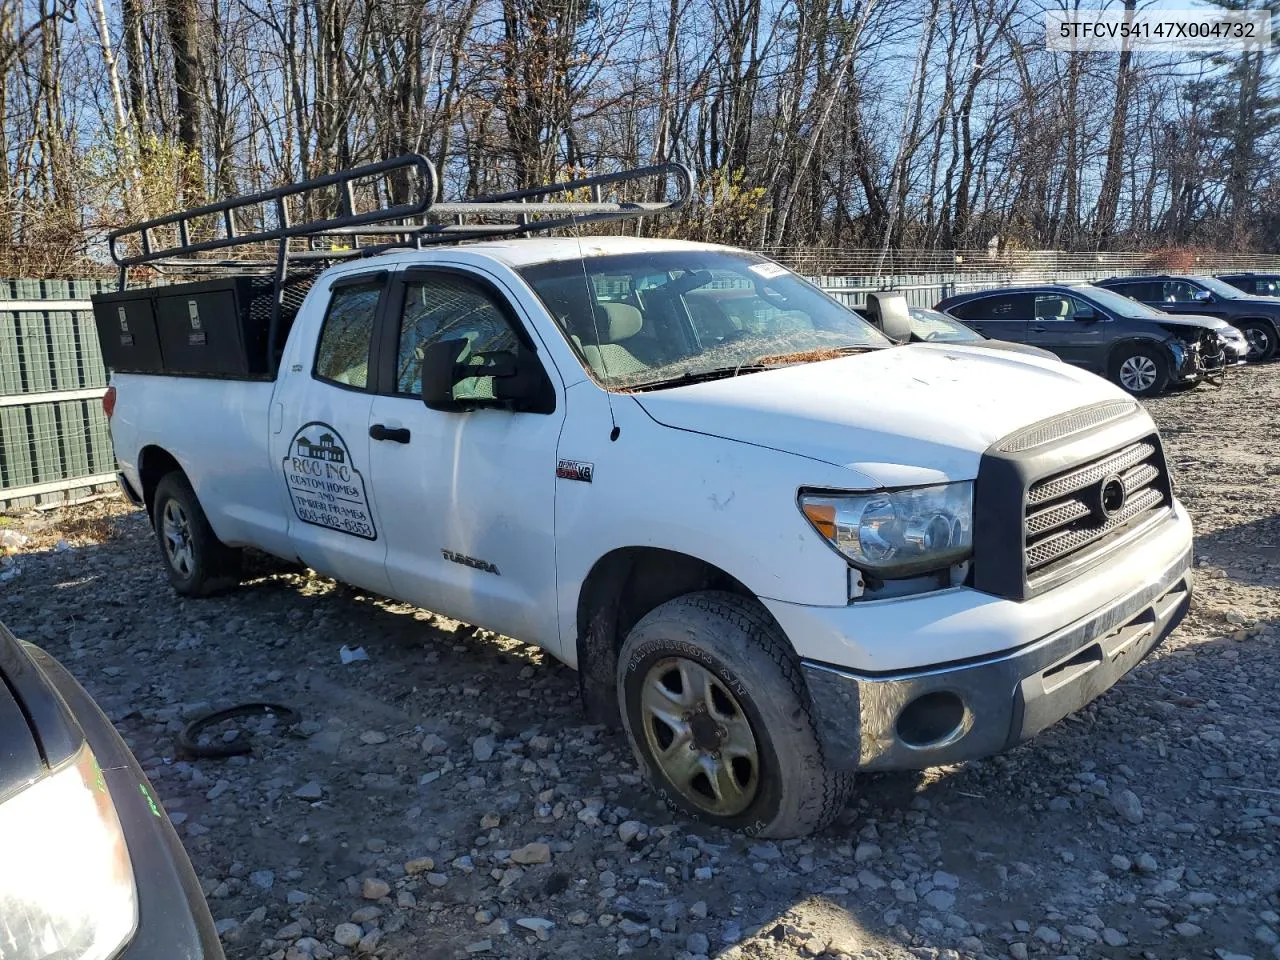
(779, 548)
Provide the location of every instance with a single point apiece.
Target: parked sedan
(889, 313)
(91, 867)
(933, 326)
(1258, 318)
(1143, 350)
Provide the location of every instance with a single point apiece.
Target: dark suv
(1256, 317)
(1141, 349)
(1257, 284)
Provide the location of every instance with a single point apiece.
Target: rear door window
(1009, 306)
(342, 354)
(1144, 292)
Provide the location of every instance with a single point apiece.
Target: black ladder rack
(384, 227)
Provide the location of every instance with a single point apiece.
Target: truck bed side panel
(218, 431)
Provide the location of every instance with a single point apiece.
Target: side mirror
(519, 386)
(891, 315)
(1202, 296)
(1086, 316)
(439, 366)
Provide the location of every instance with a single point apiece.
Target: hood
(906, 415)
(1013, 347)
(1266, 304)
(1194, 320)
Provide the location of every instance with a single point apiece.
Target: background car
(91, 867)
(889, 313)
(1258, 318)
(1256, 284)
(1143, 350)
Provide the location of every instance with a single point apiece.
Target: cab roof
(527, 251)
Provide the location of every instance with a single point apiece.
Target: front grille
(1069, 516)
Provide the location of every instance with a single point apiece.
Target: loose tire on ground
(720, 719)
(199, 564)
(1261, 336)
(1142, 370)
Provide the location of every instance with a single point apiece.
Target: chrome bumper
(953, 712)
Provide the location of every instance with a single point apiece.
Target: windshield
(935, 327)
(1118, 303)
(1220, 287)
(640, 320)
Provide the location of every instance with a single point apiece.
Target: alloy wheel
(699, 736)
(1138, 373)
(177, 539)
(1259, 343)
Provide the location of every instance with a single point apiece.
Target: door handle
(380, 431)
(1037, 329)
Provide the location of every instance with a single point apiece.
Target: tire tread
(821, 800)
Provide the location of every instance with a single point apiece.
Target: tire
(199, 564)
(1261, 335)
(1142, 370)
(720, 658)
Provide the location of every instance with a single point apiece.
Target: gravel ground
(444, 798)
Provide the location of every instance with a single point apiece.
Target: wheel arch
(154, 462)
(1130, 340)
(1272, 322)
(621, 587)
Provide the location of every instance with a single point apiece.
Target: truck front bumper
(917, 718)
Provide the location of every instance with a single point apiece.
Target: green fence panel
(10, 362)
(74, 433)
(34, 351)
(16, 467)
(102, 456)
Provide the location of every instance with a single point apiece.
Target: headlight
(897, 533)
(66, 884)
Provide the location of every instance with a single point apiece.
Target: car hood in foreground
(922, 413)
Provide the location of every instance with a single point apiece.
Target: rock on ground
(452, 778)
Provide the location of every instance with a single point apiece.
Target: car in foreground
(1141, 349)
(1254, 284)
(90, 866)
(1258, 318)
(890, 314)
(777, 547)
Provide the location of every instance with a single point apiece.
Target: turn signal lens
(822, 516)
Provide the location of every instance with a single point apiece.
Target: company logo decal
(326, 488)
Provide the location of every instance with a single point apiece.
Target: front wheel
(1143, 371)
(720, 720)
(1261, 337)
(199, 564)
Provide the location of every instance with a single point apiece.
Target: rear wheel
(720, 720)
(1261, 337)
(1141, 370)
(199, 564)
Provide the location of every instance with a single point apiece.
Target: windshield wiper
(698, 376)
(768, 361)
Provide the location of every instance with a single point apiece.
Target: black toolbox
(208, 328)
